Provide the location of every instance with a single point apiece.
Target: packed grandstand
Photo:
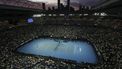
(104, 32)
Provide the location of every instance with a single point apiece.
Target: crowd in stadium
(106, 41)
(103, 32)
(88, 20)
(22, 3)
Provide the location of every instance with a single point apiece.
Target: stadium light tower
(43, 6)
(68, 5)
(59, 5)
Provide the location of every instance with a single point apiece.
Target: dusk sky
(73, 2)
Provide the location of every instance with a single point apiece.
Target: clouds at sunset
(74, 3)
